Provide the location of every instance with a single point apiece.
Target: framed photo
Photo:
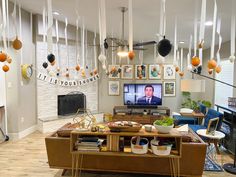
(140, 71)
(169, 88)
(114, 71)
(113, 88)
(212, 125)
(127, 72)
(169, 72)
(154, 72)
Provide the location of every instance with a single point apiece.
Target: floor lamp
(229, 167)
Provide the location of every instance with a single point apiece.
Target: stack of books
(89, 144)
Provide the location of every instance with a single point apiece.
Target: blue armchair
(211, 114)
(180, 120)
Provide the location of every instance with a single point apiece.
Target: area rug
(210, 165)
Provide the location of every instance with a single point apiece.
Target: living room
(85, 84)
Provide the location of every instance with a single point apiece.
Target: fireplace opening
(72, 102)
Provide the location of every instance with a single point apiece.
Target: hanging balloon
(218, 69)
(195, 61)
(58, 74)
(51, 73)
(181, 74)
(3, 57)
(67, 69)
(105, 44)
(83, 73)
(200, 45)
(164, 47)
(51, 58)
(131, 55)
(95, 71)
(86, 67)
(211, 64)
(210, 71)
(5, 68)
(17, 44)
(189, 67)
(176, 69)
(67, 74)
(232, 58)
(77, 68)
(91, 73)
(104, 67)
(9, 60)
(45, 65)
(119, 70)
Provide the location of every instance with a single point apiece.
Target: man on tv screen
(149, 98)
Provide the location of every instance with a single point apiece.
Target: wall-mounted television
(143, 94)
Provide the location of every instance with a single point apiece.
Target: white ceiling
(145, 16)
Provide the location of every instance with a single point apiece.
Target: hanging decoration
(3, 57)
(212, 63)
(218, 67)
(66, 83)
(195, 59)
(57, 50)
(77, 67)
(202, 25)
(83, 74)
(232, 40)
(102, 33)
(175, 62)
(181, 73)
(164, 46)
(131, 53)
(95, 71)
(67, 49)
(189, 66)
(44, 24)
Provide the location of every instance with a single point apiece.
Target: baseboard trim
(24, 133)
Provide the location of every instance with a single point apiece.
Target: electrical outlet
(22, 119)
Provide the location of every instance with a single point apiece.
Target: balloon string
(20, 24)
(181, 58)
(232, 41)
(95, 51)
(130, 26)
(220, 40)
(44, 24)
(175, 40)
(57, 47)
(8, 24)
(213, 30)
(202, 23)
(189, 50)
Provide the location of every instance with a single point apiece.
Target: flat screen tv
(70, 103)
(143, 94)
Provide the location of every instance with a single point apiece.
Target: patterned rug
(211, 165)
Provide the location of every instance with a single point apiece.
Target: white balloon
(51, 73)
(175, 63)
(104, 67)
(232, 58)
(102, 58)
(189, 67)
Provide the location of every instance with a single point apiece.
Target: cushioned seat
(179, 120)
(196, 127)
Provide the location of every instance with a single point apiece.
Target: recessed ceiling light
(56, 13)
(181, 42)
(208, 23)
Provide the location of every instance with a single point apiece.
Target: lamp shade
(192, 85)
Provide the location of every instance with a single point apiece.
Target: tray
(121, 126)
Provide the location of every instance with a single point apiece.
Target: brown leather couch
(191, 162)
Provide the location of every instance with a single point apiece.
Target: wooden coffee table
(194, 114)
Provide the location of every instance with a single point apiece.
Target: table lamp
(192, 85)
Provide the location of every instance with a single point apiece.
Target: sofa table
(200, 116)
(112, 148)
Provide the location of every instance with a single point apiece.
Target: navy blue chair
(180, 120)
(211, 114)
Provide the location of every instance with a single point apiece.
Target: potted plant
(164, 125)
(192, 104)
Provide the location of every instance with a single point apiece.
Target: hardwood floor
(27, 157)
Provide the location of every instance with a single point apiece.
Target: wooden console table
(111, 148)
(137, 114)
(198, 115)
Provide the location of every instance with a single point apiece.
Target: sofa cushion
(180, 120)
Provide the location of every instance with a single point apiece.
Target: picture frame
(141, 72)
(169, 88)
(212, 125)
(169, 72)
(155, 72)
(113, 88)
(113, 71)
(127, 71)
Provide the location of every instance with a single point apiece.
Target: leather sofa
(191, 162)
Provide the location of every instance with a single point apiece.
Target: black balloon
(119, 70)
(164, 47)
(45, 65)
(51, 58)
(105, 44)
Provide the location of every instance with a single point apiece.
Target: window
(222, 91)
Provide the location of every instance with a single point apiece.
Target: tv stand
(141, 114)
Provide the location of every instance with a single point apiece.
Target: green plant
(192, 104)
(166, 121)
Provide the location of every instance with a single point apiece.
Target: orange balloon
(91, 73)
(195, 61)
(95, 71)
(211, 64)
(181, 74)
(131, 55)
(3, 57)
(5, 68)
(17, 44)
(210, 71)
(77, 67)
(9, 60)
(218, 69)
(176, 68)
(67, 75)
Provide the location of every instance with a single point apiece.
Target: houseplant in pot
(164, 125)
